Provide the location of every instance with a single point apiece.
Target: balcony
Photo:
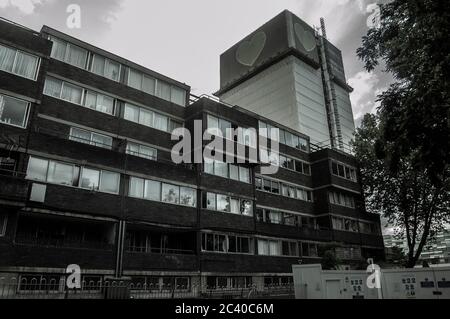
(13, 186)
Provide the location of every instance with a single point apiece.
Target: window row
(343, 171)
(72, 175)
(18, 62)
(149, 118)
(245, 137)
(284, 137)
(272, 216)
(219, 243)
(75, 94)
(162, 192)
(91, 138)
(103, 141)
(279, 188)
(227, 204)
(341, 199)
(274, 247)
(156, 87)
(352, 225)
(285, 162)
(234, 172)
(142, 151)
(13, 111)
(100, 65)
(82, 58)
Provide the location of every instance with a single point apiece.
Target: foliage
(413, 205)
(412, 41)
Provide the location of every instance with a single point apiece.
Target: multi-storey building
(289, 72)
(87, 179)
(436, 251)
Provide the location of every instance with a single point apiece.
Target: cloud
(95, 15)
(25, 6)
(364, 95)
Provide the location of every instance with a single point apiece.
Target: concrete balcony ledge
(14, 188)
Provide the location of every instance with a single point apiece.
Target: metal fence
(48, 287)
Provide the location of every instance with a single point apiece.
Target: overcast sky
(183, 39)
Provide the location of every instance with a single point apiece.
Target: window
(341, 199)
(244, 174)
(69, 53)
(106, 68)
(163, 90)
(37, 169)
(99, 102)
(152, 190)
(63, 174)
(90, 179)
(269, 247)
(91, 138)
(289, 248)
(224, 170)
(234, 173)
(63, 90)
(211, 201)
(18, 62)
(136, 187)
(274, 217)
(72, 175)
(224, 126)
(227, 204)
(131, 113)
(3, 222)
(178, 96)
(214, 243)
(142, 151)
(150, 85)
(286, 190)
(188, 196)
(170, 193)
(109, 182)
(309, 250)
(148, 118)
(221, 169)
(160, 122)
(246, 207)
(223, 203)
(343, 171)
(285, 137)
(13, 111)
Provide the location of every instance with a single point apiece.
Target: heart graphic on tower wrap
(305, 37)
(249, 51)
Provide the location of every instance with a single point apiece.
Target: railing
(50, 287)
(346, 149)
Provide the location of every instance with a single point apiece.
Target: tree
(330, 261)
(412, 204)
(412, 41)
